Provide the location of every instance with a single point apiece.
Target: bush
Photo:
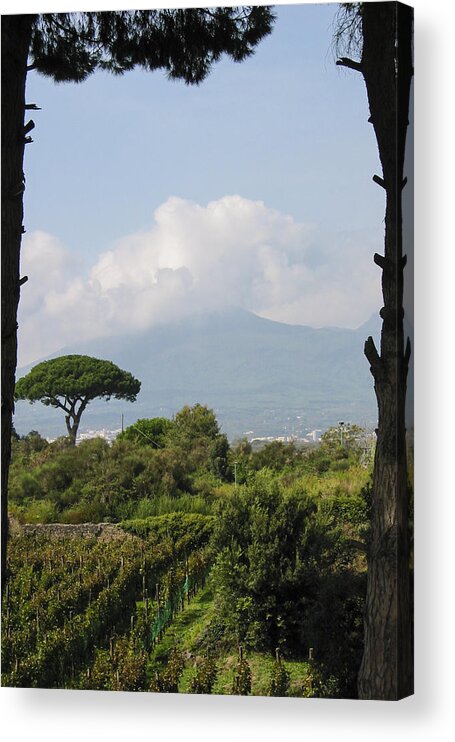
(334, 627)
(241, 685)
(280, 680)
(287, 578)
(204, 679)
(150, 432)
(24, 487)
(271, 551)
(161, 505)
(167, 680)
(39, 511)
(83, 512)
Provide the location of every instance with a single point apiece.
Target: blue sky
(123, 169)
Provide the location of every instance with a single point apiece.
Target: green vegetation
(67, 597)
(233, 570)
(70, 383)
(94, 481)
(148, 432)
(280, 679)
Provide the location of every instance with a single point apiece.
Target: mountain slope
(259, 375)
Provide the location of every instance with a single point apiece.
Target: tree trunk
(73, 420)
(71, 426)
(386, 671)
(16, 34)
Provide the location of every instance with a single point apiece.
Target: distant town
(312, 436)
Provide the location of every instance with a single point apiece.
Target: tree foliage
(346, 441)
(276, 455)
(195, 431)
(71, 382)
(149, 431)
(184, 42)
(192, 423)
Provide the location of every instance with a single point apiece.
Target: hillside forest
(218, 567)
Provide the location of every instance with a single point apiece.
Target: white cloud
(232, 252)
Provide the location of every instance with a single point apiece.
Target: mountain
(258, 375)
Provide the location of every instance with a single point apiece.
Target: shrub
(167, 680)
(241, 685)
(279, 680)
(205, 676)
(39, 511)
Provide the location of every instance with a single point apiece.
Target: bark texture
(386, 671)
(73, 419)
(16, 34)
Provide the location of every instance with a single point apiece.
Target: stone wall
(105, 531)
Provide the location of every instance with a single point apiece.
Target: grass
(163, 504)
(187, 628)
(261, 669)
(188, 631)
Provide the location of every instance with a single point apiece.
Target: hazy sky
(147, 199)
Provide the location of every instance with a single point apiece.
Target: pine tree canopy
(185, 42)
(76, 377)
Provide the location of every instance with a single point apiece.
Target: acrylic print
(207, 351)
